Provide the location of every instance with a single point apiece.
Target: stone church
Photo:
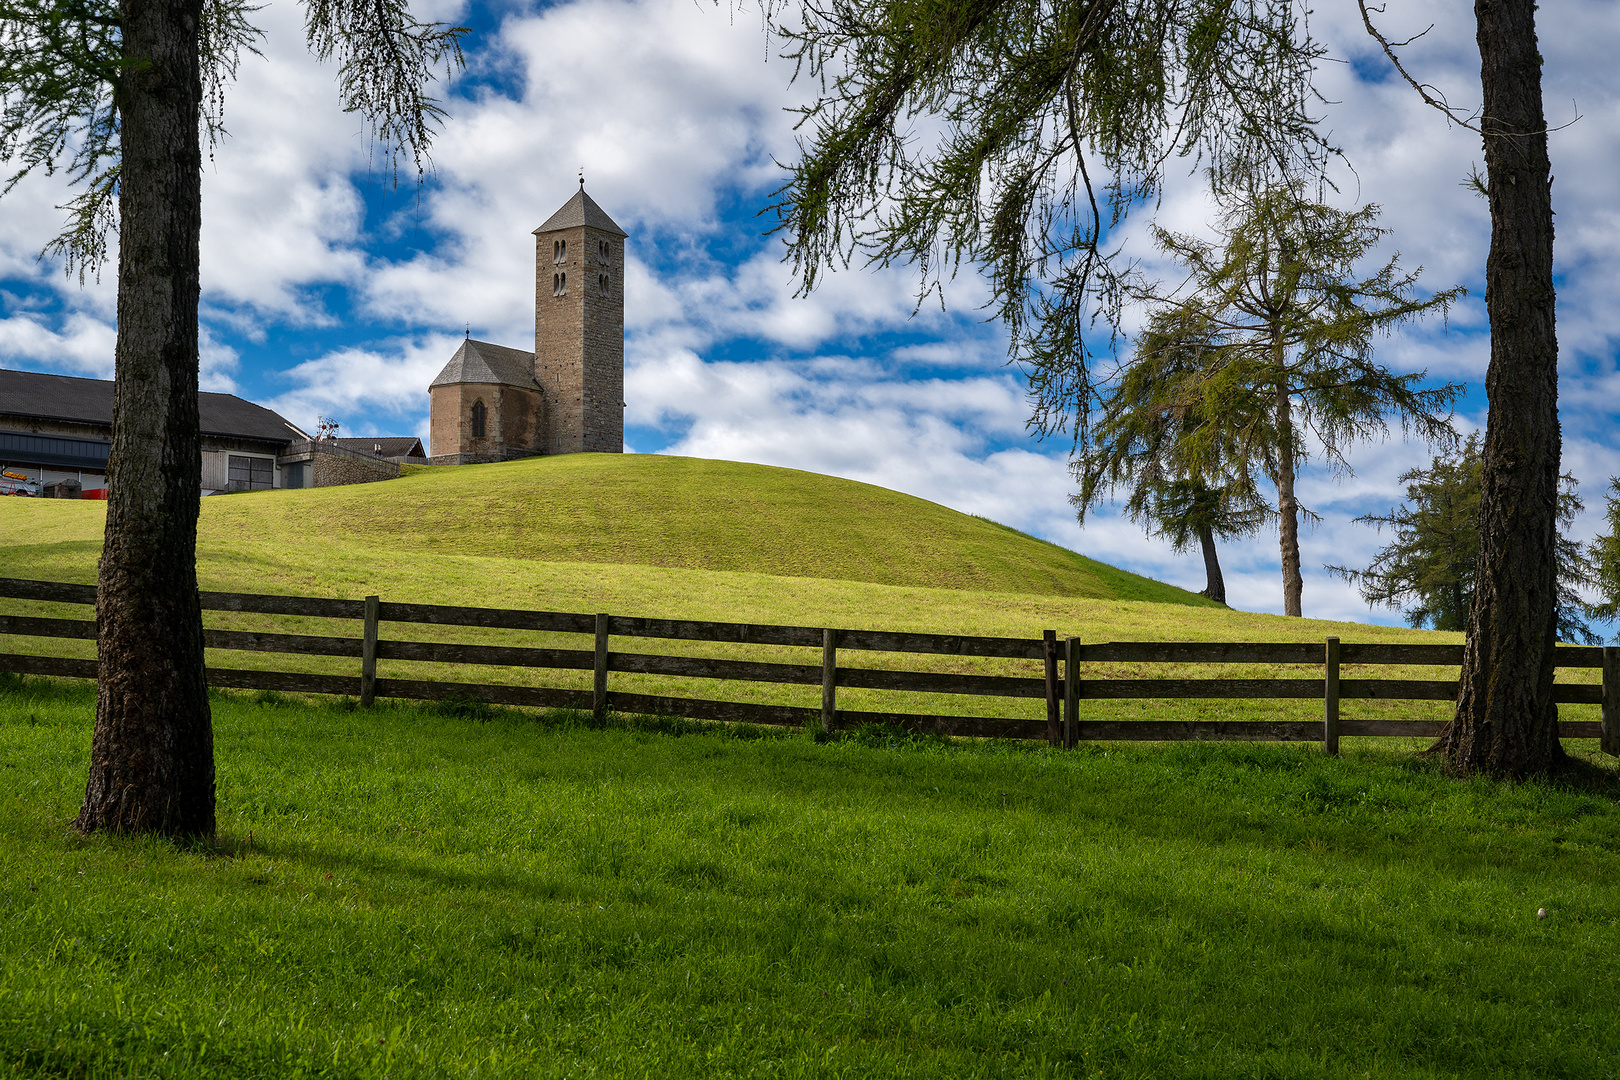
(493, 403)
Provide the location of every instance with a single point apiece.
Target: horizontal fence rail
(1063, 684)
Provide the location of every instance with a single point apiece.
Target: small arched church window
(602, 282)
(478, 420)
(603, 252)
(559, 284)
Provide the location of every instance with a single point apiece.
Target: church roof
(580, 210)
(482, 362)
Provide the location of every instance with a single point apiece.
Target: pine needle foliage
(1428, 569)
(966, 132)
(63, 63)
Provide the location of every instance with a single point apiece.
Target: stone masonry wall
(444, 420)
(579, 340)
(334, 466)
(604, 343)
(333, 470)
(559, 345)
(514, 422)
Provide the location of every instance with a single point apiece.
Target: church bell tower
(579, 327)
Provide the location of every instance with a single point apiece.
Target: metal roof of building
(90, 401)
(577, 211)
(482, 362)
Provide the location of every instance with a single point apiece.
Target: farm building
(56, 430)
(489, 403)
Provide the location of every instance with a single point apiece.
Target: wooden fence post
(829, 681)
(599, 697)
(1071, 692)
(1053, 731)
(1611, 701)
(1330, 698)
(368, 654)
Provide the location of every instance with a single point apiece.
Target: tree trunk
(1215, 585)
(1506, 723)
(1288, 505)
(152, 754)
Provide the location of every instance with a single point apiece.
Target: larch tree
(121, 95)
(1427, 569)
(1606, 560)
(1506, 723)
(1149, 442)
(1284, 333)
(952, 132)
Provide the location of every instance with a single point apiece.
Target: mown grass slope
(649, 510)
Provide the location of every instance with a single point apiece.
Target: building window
(602, 282)
(604, 253)
(559, 251)
(559, 284)
(478, 420)
(251, 473)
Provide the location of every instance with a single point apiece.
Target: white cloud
(391, 380)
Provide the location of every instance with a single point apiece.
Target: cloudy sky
(326, 291)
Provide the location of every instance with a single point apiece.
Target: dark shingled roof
(580, 210)
(481, 362)
(385, 446)
(90, 401)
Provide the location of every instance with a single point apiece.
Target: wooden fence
(1062, 684)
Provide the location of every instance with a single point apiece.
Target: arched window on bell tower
(478, 420)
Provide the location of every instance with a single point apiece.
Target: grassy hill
(647, 510)
(636, 510)
(694, 540)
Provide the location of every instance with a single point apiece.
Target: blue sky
(328, 292)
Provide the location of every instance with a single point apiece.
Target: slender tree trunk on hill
(1506, 722)
(1287, 503)
(1214, 583)
(152, 754)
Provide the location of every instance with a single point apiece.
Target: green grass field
(415, 893)
(459, 891)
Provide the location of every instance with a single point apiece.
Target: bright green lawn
(406, 893)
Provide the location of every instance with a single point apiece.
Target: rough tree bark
(1506, 723)
(152, 754)
(1214, 583)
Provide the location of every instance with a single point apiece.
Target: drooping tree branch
(967, 132)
